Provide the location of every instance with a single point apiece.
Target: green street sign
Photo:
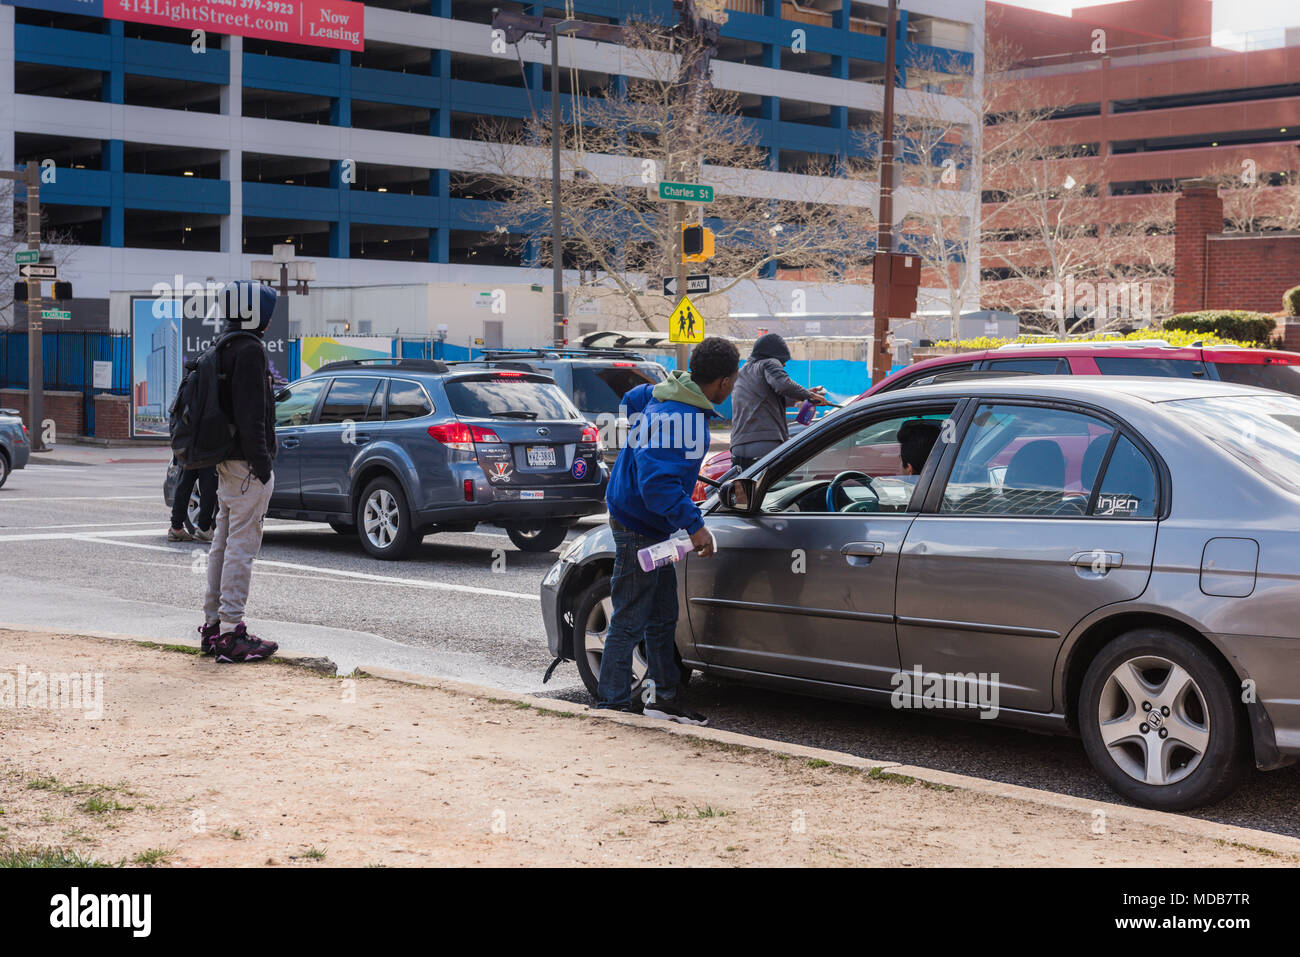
(684, 193)
(27, 256)
(55, 314)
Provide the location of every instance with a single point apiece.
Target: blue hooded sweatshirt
(668, 437)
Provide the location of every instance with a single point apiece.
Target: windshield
(1275, 375)
(1263, 431)
(500, 397)
(601, 388)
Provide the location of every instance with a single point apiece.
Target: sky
(1230, 16)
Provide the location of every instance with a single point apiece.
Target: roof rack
(1090, 344)
(593, 352)
(410, 365)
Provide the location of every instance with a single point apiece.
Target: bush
(1236, 324)
(1291, 301)
(1175, 337)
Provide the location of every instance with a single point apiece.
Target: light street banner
(318, 350)
(320, 23)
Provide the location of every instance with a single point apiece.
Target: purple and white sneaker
(208, 635)
(239, 645)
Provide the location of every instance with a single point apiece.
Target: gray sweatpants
(242, 501)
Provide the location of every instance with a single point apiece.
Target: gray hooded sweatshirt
(762, 393)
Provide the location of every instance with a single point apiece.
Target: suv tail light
(590, 434)
(459, 436)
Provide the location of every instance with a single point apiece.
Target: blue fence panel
(68, 364)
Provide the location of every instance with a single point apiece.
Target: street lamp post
(880, 357)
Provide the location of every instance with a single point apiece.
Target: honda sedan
(1117, 559)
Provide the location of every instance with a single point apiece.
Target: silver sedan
(15, 446)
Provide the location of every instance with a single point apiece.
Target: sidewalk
(194, 763)
(68, 453)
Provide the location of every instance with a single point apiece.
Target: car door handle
(360, 439)
(1097, 560)
(861, 553)
(289, 443)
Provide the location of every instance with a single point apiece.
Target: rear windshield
(1263, 431)
(1275, 376)
(508, 398)
(601, 388)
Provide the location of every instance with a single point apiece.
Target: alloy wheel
(1153, 720)
(597, 628)
(381, 518)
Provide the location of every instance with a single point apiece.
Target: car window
(348, 399)
(878, 465)
(601, 388)
(407, 400)
(927, 373)
(1026, 460)
(293, 405)
(1275, 375)
(1056, 366)
(1137, 365)
(1263, 431)
(1129, 487)
(507, 395)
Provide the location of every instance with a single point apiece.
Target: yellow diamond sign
(686, 324)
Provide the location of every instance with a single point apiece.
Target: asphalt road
(82, 548)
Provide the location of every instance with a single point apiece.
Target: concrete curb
(1087, 809)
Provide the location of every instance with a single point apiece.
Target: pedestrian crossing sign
(686, 324)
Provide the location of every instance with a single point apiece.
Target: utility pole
(31, 178)
(558, 332)
(881, 359)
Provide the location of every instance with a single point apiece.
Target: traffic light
(697, 243)
(20, 292)
(63, 291)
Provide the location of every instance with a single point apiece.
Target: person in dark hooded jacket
(760, 398)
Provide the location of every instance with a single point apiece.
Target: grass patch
(46, 857)
(50, 783)
(314, 854)
(154, 856)
(98, 805)
(710, 811)
(183, 649)
(559, 714)
(1249, 847)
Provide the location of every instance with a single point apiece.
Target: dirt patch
(194, 763)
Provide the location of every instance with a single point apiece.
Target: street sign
(698, 283)
(38, 272)
(686, 323)
(27, 256)
(682, 193)
(55, 314)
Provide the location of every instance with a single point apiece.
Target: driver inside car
(916, 437)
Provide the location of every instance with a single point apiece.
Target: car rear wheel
(1160, 722)
(384, 520)
(192, 509)
(4, 469)
(591, 626)
(538, 538)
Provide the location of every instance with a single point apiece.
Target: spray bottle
(663, 553)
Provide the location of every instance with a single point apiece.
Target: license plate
(527, 496)
(541, 456)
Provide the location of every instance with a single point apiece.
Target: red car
(1267, 368)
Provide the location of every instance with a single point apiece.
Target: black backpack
(201, 431)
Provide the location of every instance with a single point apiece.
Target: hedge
(1236, 324)
(1291, 301)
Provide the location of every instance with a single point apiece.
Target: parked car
(15, 445)
(393, 450)
(1111, 558)
(594, 379)
(1269, 368)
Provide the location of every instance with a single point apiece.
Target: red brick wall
(1251, 270)
(1198, 211)
(67, 409)
(112, 417)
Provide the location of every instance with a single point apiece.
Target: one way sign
(693, 284)
(38, 272)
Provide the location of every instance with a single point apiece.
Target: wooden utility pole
(881, 358)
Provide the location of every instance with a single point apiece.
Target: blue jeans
(645, 609)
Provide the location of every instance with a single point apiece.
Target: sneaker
(179, 535)
(672, 710)
(201, 536)
(239, 645)
(208, 635)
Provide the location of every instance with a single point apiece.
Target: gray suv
(15, 448)
(594, 379)
(392, 450)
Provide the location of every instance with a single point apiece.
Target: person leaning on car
(759, 401)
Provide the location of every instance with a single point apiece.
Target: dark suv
(392, 450)
(595, 379)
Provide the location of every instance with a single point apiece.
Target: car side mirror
(739, 495)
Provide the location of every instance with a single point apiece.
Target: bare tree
(1260, 194)
(14, 239)
(622, 141)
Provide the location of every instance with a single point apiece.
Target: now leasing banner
(320, 23)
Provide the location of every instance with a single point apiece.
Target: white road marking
(5, 499)
(103, 539)
(82, 525)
